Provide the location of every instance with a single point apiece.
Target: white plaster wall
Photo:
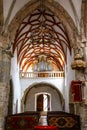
(57, 82)
(69, 76)
(16, 83)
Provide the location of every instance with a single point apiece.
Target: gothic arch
(43, 87)
(84, 20)
(55, 7)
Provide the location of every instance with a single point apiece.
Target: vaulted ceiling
(41, 33)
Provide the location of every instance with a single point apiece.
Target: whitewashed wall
(56, 82)
(16, 84)
(69, 76)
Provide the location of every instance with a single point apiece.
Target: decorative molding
(78, 63)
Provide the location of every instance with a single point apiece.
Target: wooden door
(40, 102)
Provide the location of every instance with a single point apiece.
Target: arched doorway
(43, 102)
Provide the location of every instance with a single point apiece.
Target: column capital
(4, 40)
(84, 41)
(7, 53)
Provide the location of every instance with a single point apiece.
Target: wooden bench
(63, 120)
(22, 121)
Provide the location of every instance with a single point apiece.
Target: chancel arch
(29, 100)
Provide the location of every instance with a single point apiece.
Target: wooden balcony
(49, 74)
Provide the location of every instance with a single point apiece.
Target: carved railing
(52, 74)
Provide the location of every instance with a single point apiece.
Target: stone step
(43, 120)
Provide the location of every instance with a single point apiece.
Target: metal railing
(52, 74)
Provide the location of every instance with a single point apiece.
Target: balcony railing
(52, 74)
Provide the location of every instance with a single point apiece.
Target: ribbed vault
(41, 33)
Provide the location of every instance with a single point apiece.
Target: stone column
(2, 94)
(5, 58)
(4, 86)
(3, 104)
(85, 74)
(0, 64)
(79, 66)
